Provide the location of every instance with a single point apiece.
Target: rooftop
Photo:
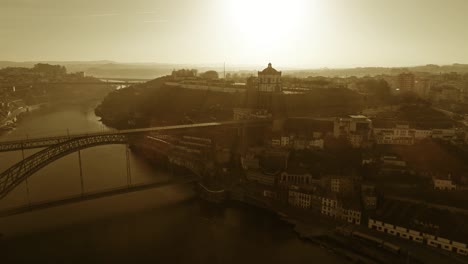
(425, 219)
(269, 71)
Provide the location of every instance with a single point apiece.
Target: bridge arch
(12, 177)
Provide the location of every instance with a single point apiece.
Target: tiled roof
(420, 217)
(269, 70)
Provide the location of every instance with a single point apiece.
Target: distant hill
(373, 71)
(149, 71)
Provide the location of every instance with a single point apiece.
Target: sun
(267, 24)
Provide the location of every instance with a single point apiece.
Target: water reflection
(166, 224)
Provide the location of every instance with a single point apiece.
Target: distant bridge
(58, 147)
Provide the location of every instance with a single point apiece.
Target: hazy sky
(312, 33)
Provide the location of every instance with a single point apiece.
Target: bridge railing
(37, 142)
(17, 173)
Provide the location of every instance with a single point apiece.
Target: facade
(276, 142)
(260, 177)
(296, 178)
(423, 224)
(297, 143)
(443, 183)
(399, 135)
(356, 140)
(330, 206)
(316, 143)
(268, 84)
(419, 237)
(422, 87)
(341, 185)
(351, 215)
(445, 93)
(368, 197)
(367, 159)
(334, 208)
(356, 128)
(250, 114)
(269, 80)
(242, 113)
(404, 135)
(285, 141)
(300, 144)
(393, 161)
(369, 201)
(299, 198)
(420, 134)
(406, 82)
(250, 161)
(444, 134)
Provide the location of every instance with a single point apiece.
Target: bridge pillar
(129, 172)
(26, 181)
(81, 173)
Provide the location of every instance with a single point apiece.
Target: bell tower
(269, 83)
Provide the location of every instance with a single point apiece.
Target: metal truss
(13, 176)
(31, 143)
(57, 147)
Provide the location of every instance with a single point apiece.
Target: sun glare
(267, 24)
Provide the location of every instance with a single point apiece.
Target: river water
(166, 225)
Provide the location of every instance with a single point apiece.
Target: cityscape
(263, 157)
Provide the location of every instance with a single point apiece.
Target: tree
(184, 73)
(50, 70)
(209, 75)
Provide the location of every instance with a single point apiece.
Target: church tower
(269, 80)
(269, 83)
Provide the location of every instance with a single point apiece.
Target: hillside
(110, 69)
(154, 103)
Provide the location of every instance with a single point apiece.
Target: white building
(269, 80)
(393, 161)
(404, 135)
(351, 125)
(317, 143)
(296, 178)
(399, 135)
(260, 177)
(352, 215)
(276, 142)
(422, 134)
(443, 183)
(444, 134)
(332, 207)
(285, 141)
(298, 198)
(419, 237)
(341, 185)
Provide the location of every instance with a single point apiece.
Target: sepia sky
(297, 33)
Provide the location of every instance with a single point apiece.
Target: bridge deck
(41, 142)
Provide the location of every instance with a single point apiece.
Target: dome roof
(270, 70)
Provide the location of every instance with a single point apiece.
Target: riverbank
(146, 226)
(313, 229)
(9, 122)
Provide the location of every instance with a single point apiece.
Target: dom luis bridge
(54, 148)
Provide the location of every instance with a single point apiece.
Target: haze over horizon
(295, 33)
